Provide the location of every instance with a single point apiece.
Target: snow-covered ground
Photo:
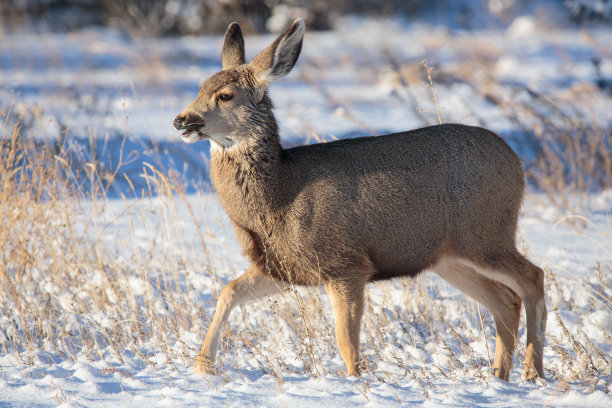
(263, 360)
(122, 324)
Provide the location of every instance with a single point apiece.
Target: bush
(590, 10)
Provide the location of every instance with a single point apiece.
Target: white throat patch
(219, 141)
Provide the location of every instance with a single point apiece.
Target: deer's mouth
(191, 136)
(192, 129)
(193, 133)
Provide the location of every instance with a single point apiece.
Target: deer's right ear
(233, 47)
(278, 59)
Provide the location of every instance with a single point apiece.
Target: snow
(522, 27)
(51, 379)
(421, 340)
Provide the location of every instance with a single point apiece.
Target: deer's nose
(183, 121)
(179, 121)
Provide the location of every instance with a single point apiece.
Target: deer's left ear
(278, 59)
(233, 47)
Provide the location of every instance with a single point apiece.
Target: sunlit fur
(342, 214)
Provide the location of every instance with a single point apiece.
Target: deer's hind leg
(501, 301)
(527, 280)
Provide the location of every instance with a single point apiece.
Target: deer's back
(398, 201)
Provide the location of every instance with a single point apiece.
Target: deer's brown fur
(444, 198)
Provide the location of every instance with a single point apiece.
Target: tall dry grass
(77, 274)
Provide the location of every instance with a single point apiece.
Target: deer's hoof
(203, 366)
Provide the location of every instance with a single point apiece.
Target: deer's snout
(188, 120)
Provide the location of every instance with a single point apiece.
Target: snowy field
(107, 287)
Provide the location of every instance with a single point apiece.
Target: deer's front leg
(253, 284)
(347, 303)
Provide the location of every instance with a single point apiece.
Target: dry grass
(70, 286)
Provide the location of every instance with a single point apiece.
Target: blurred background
(101, 80)
(194, 17)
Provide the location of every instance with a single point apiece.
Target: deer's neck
(247, 177)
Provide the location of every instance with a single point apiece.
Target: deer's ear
(233, 47)
(278, 59)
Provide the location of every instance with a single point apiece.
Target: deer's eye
(224, 97)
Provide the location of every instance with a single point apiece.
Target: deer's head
(235, 100)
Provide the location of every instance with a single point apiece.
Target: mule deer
(444, 198)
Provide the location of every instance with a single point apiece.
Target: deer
(341, 214)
